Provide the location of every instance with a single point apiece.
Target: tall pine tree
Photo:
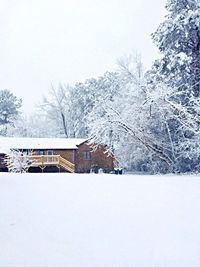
(178, 39)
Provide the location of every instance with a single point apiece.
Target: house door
(50, 153)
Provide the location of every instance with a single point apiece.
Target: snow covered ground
(69, 220)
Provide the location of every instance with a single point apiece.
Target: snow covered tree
(126, 116)
(178, 39)
(35, 124)
(17, 161)
(9, 110)
(68, 107)
(84, 96)
(56, 109)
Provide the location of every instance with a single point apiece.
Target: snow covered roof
(7, 143)
(3, 150)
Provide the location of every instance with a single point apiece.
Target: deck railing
(51, 160)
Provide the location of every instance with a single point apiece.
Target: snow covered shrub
(18, 161)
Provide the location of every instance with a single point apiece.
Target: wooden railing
(51, 160)
(66, 164)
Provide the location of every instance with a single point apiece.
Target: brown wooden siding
(2, 163)
(98, 159)
(66, 154)
(81, 164)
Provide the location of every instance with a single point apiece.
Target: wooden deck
(54, 160)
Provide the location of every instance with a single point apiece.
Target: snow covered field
(69, 220)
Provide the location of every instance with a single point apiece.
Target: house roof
(7, 143)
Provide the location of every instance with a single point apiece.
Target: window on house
(41, 152)
(87, 155)
(50, 153)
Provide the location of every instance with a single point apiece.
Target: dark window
(87, 155)
(50, 152)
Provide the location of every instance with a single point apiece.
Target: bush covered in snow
(18, 161)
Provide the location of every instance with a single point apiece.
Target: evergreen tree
(9, 109)
(178, 39)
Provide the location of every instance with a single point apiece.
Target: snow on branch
(18, 161)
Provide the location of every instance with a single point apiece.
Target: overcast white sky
(67, 41)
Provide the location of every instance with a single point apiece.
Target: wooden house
(58, 154)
